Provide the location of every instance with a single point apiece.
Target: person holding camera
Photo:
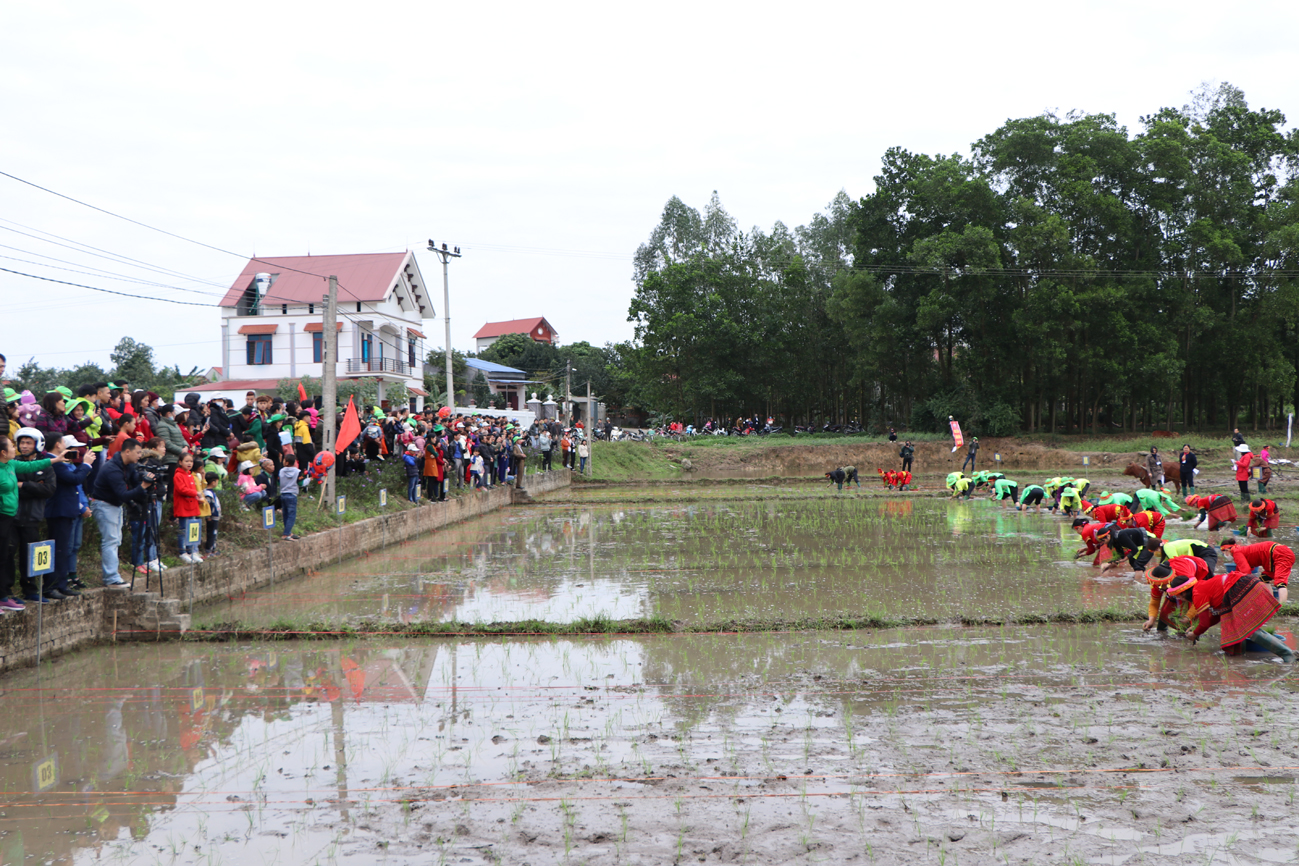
(169, 431)
(117, 484)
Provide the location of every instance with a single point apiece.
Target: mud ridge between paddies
(284, 630)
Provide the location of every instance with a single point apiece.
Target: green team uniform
(1004, 488)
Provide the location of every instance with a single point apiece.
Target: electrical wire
(107, 291)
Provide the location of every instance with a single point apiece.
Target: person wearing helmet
(12, 473)
(33, 493)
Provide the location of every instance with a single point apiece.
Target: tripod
(150, 538)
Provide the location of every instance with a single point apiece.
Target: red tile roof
(514, 326)
(305, 279)
(258, 329)
(319, 327)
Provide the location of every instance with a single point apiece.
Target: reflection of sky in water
(277, 752)
(707, 562)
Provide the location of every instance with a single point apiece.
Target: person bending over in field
(836, 477)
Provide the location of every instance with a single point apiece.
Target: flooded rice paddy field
(709, 561)
(1049, 744)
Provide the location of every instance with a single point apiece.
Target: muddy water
(709, 561)
(1095, 742)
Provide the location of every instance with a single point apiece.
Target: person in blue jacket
(63, 511)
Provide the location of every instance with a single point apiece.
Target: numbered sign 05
(40, 558)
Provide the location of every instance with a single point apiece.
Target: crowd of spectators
(135, 463)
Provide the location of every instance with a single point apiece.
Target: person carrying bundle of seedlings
(1003, 488)
(1164, 609)
(1169, 550)
(1264, 517)
(1094, 536)
(1216, 511)
(1238, 603)
(1033, 495)
(1274, 559)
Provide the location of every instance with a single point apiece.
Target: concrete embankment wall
(118, 613)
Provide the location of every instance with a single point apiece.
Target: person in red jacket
(1264, 516)
(187, 507)
(1112, 513)
(1164, 609)
(1244, 458)
(1239, 604)
(1276, 560)
(1217, 509)
(1094, 536)
(1151, 521)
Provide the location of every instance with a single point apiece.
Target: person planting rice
(1264, 517)
(1004, 488)
(1129, 544)
(1054, 486)
(1274, 559)
(1070, 500)
(1152, 499)
(961, 488)
(1115, 499)
(904, 479)
(985, 478)
(1216, 511)
(952, 478)
(1111, 513)
(1166, 610)
(1034, 494)
(889, 478)
(1094, 536)
(836, 477)
(1169, 550)
(1237, 602)
(1151, 521)
(850, 476)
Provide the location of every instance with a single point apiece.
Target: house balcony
(391, 366)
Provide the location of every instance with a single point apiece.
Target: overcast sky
(543, 139)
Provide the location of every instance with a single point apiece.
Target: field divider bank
(104, 614)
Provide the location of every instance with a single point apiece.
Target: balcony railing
(378, 365)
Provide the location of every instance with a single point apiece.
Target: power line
(107, 291)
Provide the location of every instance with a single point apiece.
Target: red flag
(350, 430)
(302, 392)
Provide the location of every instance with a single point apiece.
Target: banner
(957, 438)
(350, 429)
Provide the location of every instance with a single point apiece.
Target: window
(317, 347)
(284, 309)
(411, 352)
(367, 343)
(358, 306)
(259, 349)
(311, 309)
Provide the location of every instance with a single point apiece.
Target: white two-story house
(272, 323)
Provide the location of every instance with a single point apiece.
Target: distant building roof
(305, 279)
(513, 326)
(489, 367)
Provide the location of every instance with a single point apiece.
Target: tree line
(1065, 276)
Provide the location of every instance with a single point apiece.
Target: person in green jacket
(1033, 495)
(1004, 488)
(10, 469)
(1156, 500)
(1115, 498)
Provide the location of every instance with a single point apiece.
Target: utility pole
(568, 392)
(590, 427)
(446, 256)
(329, 381)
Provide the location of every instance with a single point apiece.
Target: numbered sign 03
(40, 558)
(45, 773)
